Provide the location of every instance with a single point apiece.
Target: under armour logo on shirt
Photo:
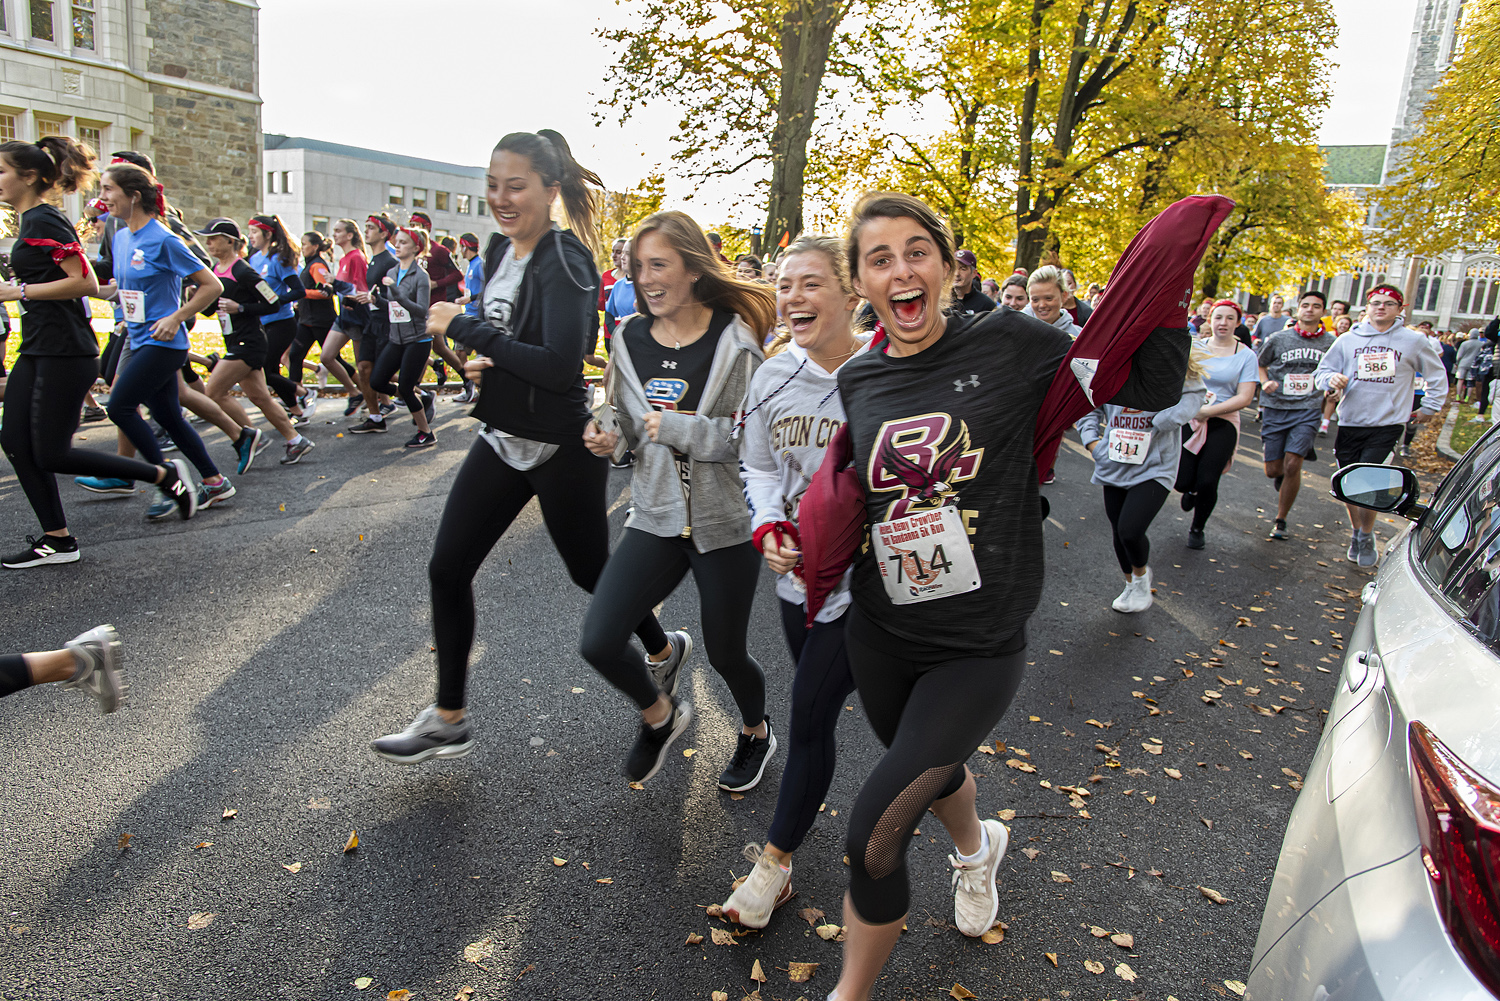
(669, 364)
(959, 384)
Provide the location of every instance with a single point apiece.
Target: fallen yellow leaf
(1051, 957)
(1125, 973)
(559, 862)
(605, 881)
(204, 844)
(578, 691)
(363, 983)
(1235, 986)
(994, 936)
(1006, 814)
(722, 936)
(353, 843)
(123, 842)
(464, 994)
(1061, 877)
(694, 939)
(960, 992)
(636, 786)
(811, 915)
(1213, 895)
(719, 996)
(201, 920)
(830, 933)
(689, 752)
(401, 995)
(1098, 932)
(1124, 940)
(1093, 966)
(1173, 773)
(294, 867)
(231, 814)
(801, 973)
(757, 973)
(483, 949)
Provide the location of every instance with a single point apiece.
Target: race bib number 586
(925, 556)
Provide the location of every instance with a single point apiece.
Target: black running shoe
(429, 406)
(668, 673)
(1188, 500)
(749, 761)
(422, 439)
(368, 426)
(1195, 538)
(93, 414)
(164, 441)
(1278, 531)
(180, 489)
(43, 551)
(354, 404)
(650, 749)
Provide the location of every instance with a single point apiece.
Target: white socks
(984, 846)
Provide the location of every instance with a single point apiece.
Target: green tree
(1443, 193)
(622, 211)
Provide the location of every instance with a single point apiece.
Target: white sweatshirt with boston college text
(1380, 390)
(784, 442)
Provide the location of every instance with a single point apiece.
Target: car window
(1482, 455)
(1459, 534)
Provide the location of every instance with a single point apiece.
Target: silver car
(1388, 884)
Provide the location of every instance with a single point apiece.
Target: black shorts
(370, 344)
(1367, 444)
(248, 348)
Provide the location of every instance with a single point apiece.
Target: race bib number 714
(925, 556)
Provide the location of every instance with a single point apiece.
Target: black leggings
(14, 674)
(149, 376)
(1199, 474)
(643, 571)
(930, 714)
(279, 337)
(819, 688)
(307, 336)
(411, 361)
(43, 400)
(485, 498)
(1131, 510)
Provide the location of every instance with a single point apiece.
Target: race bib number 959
(925, 556)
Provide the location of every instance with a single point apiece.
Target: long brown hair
(715, 288)
(552, 159)
(57, 161)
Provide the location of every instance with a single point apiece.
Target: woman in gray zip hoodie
(679, 374)
(406, 293)
(1136, 453)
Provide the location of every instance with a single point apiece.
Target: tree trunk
(1026, 254)
(807, 31)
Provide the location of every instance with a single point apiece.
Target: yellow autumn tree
(1444, 192)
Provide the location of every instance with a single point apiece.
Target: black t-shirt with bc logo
(953, 426)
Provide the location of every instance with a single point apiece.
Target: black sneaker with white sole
(749, 762)
(101, 667)
(428, 736)
(650, 748)
(369, 426)
(180, 488)
(43, 551)
(668, 673)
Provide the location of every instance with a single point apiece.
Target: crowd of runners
(866, 416)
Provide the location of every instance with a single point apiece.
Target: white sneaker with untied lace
(976, 898)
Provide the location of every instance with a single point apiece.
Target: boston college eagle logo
(917, 457)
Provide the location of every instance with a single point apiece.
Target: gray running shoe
(294, 453)
(1367, 557)
(1353, 554)
(668, 673)
(428, 736)
(101, 667)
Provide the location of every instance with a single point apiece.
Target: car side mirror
(1380, 488)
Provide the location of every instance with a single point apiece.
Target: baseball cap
(221, 227)
(966, 258)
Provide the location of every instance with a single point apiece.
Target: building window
(479, 205)
(4, 25)
(91, 135)
(419, 198)
(41, 21)
(320, 224)
(83, 24)
(7, 126)
(461, 204)
(50, 127)
(397, 195)
(286, 182)
(440, 201)
(270, 182)
(1481, 289)
(1372, 274)
(1429, 284)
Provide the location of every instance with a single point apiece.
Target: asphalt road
(271, 639)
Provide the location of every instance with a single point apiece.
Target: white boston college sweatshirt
(1380, 400)
(788, 428)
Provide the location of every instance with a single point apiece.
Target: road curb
(1446, 435)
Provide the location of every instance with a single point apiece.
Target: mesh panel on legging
(887, 843)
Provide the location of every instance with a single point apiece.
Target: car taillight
(1458, 815)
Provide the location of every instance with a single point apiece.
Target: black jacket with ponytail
(552, 158)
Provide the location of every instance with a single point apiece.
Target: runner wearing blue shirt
(277, 262)
(468, 243)
(150, 266)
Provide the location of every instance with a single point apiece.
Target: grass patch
(1469, 429)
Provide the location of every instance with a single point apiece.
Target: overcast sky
(476, 69)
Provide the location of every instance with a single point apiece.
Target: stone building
(311, 184)
(178, 79)
(1460, 290)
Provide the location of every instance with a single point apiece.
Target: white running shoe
(766, 888)
(976, 898)
(1126, 598)
(1137, 594)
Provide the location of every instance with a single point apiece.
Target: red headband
(465, 241)
(385, 226)
(263, 227)
(1389, 290)
(418, 236)
(1231, 304)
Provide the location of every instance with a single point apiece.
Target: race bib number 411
(925, 556)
